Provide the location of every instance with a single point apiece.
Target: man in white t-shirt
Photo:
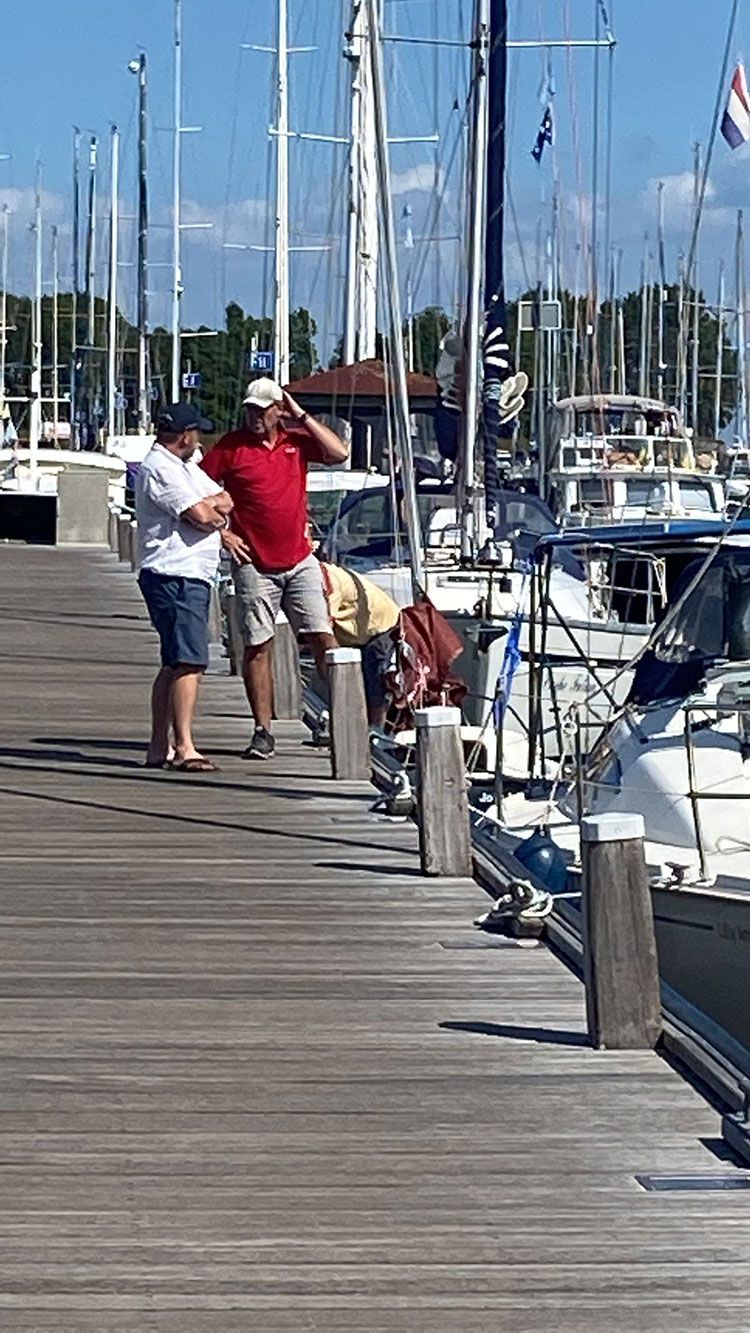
(180, 513)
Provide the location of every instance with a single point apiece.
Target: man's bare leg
(258, 678)
(161, 717)
(185, 681)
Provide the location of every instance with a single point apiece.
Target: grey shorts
(297, 592)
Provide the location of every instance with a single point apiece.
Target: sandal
(200, 765)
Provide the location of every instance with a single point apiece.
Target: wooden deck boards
(256, 1073)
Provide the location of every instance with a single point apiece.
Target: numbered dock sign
(192, 379)
(261, 363)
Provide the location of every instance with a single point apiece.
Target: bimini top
(613, 402)
(646, 534)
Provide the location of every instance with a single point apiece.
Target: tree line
(583, 350)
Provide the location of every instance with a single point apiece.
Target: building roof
(360, 390)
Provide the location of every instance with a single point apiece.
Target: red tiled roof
(364, 380)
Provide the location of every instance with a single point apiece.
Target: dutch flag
(736, 123)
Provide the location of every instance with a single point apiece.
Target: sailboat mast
(497, 364)
(91, 245)
(35, 387)
(719, 352)
(55, 337)
(390, 265)
(662, 295)
(741, 332)
(144, 415)
(695, 363)
(281, 319)
(74, 286)
(176, 190)
(4, 301)
(644, 320)
(474, 305)
(356, 53)
(113, 255)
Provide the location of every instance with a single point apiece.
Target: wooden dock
(255, 1073)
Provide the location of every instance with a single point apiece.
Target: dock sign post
(261, 363)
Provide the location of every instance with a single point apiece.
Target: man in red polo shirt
(263, 467)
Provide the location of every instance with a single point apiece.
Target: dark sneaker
(262, 746)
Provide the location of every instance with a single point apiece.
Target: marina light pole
(144, 405)
(114, 190)
(35, 387)
(281, 313)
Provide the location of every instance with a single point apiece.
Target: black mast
(497, 366)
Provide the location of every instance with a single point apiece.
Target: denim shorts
(377, 656)
(179, 613)
(298, 592)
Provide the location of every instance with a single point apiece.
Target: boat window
(594, 495)
(646, 492)
(694, 495)
(524, 516)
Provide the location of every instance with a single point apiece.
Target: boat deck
(256, 1073)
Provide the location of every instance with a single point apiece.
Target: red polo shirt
(269, 490)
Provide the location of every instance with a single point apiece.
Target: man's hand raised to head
(334, 450)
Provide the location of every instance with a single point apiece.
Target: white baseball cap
(263, 393)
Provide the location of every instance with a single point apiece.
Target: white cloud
(241, 223)
(414, 179)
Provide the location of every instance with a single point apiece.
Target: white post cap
(437, 717)
(612, 827)
(336, 656)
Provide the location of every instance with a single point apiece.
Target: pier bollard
(234, 632)
(442, 801)
(133, 545)
(112, 528)
(350, 733)
(287, 684)
(123, 536)
(621, 965)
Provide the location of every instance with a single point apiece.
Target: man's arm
(209, 515)
(332, 449)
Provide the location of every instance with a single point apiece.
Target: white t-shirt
(165, 487)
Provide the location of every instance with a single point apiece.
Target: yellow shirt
(358, 608)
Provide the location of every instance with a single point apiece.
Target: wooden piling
(350, 734)
(133, 545)
(287, 684)
(123, 536)
(442, 801)
(621, 966)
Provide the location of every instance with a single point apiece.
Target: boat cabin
(617, 458)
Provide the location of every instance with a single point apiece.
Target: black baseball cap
(177, 417)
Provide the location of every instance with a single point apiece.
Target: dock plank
(256, 1072)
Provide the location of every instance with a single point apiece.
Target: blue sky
(70, 66)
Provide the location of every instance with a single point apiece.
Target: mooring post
(442, 801)
(287, 684)
(621, 965)
(123, 536)
(112, 528)
(133, 545)
(350, 733)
